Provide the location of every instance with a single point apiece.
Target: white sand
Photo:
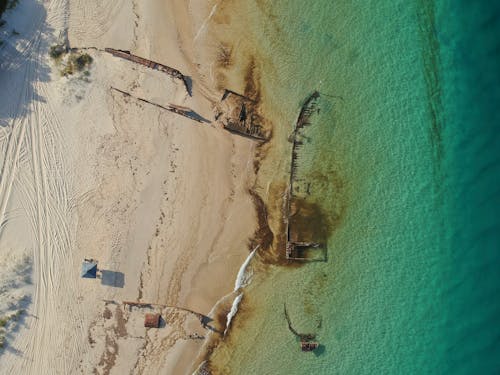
(161, 201)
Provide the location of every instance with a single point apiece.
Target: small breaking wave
(244, 276)
(233, 311)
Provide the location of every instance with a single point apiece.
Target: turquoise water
(403, 160)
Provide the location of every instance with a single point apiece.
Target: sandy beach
(161, 201)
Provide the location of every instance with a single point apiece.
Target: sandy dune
(161, 201)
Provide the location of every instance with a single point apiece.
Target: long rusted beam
(147, 304)
(150, 64)
(182, 111)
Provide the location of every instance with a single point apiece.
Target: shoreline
(188, 221)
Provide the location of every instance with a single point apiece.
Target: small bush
(15, 317)
(12, 4)
(67, 70)
(3, 322)
(82, 61)
(7, 4)
(57, 51)
(77, 62)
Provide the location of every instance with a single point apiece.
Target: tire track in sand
(37, 134)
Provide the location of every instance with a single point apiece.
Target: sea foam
(244, 276)
(233, 311)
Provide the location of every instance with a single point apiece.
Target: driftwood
(152, 65)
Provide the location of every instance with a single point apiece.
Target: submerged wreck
(238, 114)
(307, 343)
(295, 247)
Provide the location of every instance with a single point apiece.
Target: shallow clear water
(403, 160)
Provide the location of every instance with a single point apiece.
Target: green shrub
(57, 51)
(11, 4)
(82, 61)
(3, 6)
(17, 315)
(67, 70)
(7, 4)
(77, 62)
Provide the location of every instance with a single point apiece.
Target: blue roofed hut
(89, 269)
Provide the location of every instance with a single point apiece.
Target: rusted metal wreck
(307, 343)
(238, 114)
(152, 65)
(295, 248)
(177, 109)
